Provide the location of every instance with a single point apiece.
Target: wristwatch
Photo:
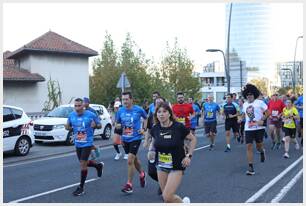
(189, 156)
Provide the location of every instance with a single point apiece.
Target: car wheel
(22, 146)
(69, 140)
(107, 132)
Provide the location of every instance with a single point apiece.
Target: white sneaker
(118, 155)
(297, 146)
(126, 156)
(186, 200)
(286, 155)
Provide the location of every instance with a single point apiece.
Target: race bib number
(288, 121)
(81, 136)
(181, 120)
(165, 160)
(128, 131)
(210, 115)
(274, 113)
(252, 124)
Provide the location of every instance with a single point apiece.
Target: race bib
(288, 121)
(181, 120)
(274, 113)
(128, 131)
(81, 136)
(210, 115)
(252, 124)
(165, 160)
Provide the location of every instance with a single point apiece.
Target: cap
(86, 100)
(117, 104)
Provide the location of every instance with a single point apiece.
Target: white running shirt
(253, 113)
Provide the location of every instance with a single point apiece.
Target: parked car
(17, 131)
(51, 128)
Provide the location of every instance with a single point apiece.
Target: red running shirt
(182, 113)
(275, 108)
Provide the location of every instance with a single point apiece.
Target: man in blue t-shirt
(193, 120)
(299, 105)
(128, 121)
(210, 110)
(82, 123)
(230, 112)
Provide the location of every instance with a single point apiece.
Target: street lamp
(226, 68)
(293, 80)
(299, 37)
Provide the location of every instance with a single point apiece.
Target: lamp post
(226, 68)
(293, 80)
(299, 37)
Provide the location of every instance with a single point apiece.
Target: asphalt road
(213, 177)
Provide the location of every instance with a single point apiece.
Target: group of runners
(168, 133)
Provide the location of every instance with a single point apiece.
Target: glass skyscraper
(251, 39)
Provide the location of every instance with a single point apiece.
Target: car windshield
(61, 112)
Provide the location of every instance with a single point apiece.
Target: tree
(105, 71)
(261, 84)
(135, 65)
(177, 70)
(54, 95)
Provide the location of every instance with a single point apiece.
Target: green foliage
(174, 74)
(54, 95)
(176, 71)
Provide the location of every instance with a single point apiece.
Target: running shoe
(228, 149)
(127, 189)
(286, 155)
(142, 179)
(250, 171)
(159, 191)
(297, 146)
(273, 146)
(186, 200)
(79, 191)
(118, 155)
(126, 156)
(100, 169)
(263, 155)
(211, 147)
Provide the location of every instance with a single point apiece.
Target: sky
(198, 26)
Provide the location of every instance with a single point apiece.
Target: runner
(210, 110)
(193, 121)
(299, 106)
(168, 145)
(255, 111)
(241, 122)
(154, 96)
(182, 111)
(117, 138)
(94, 149)
(230, 112)
(275, 107)
(83, 123)
(290, 114)
(129, 119)
(152, 172)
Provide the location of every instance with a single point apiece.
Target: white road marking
(272, 182)
(49, 158)
(66, 187)
(51, 191)
(286, 189)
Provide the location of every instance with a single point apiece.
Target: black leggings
(152, 171)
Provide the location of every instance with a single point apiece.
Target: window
(17, 113)
(7, 115)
